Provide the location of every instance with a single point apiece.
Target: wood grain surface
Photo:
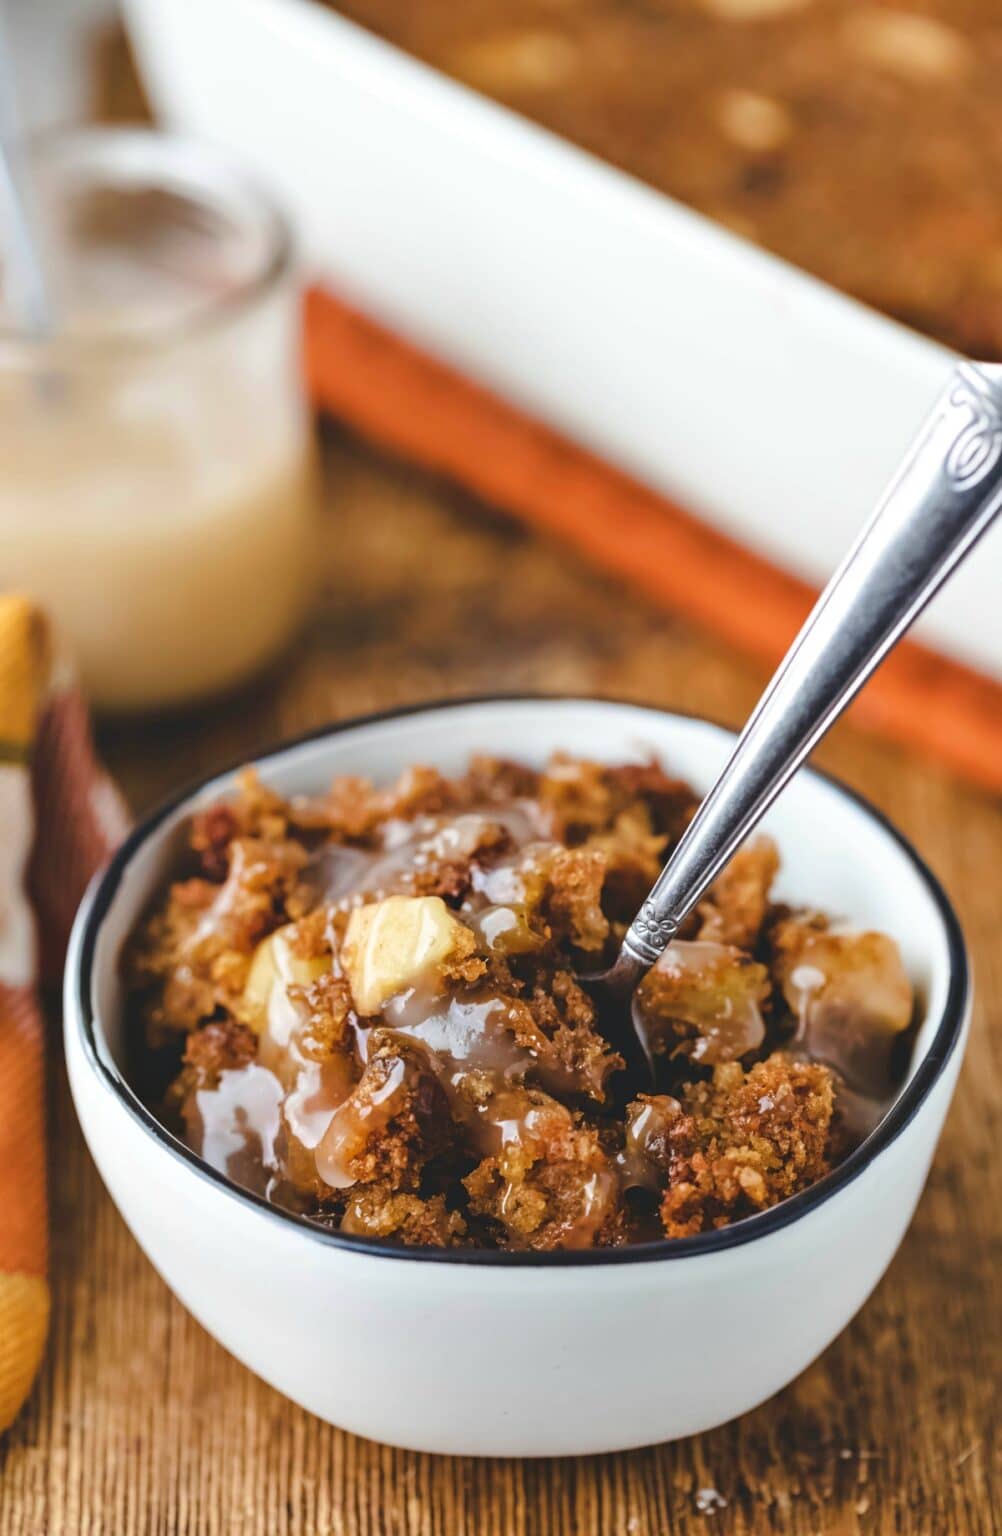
(142, 1426)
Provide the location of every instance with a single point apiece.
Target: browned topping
(221, 1047)
(744, 1141)
(394, 1119)
(550, 1184)
(371, 1004)
(572, 905)
(736, 907)
(377, 1210)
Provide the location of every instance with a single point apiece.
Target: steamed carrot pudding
(363, 1006)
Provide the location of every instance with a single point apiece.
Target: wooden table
(141, 1424)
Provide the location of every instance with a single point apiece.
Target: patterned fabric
(59, 819)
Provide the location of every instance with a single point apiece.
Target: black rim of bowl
(750, 1229)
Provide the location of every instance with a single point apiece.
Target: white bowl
(528, 1355)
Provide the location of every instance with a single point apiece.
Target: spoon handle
(942, 499)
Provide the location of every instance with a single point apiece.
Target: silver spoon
(942, 499)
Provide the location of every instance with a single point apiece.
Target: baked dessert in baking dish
(364, 1006)
(860, 141)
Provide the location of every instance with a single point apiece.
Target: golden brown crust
(393, 1121)
(572, 905)
(744, 1142)
(738, 902)
(379, 1210)
(551, 1186)
(222, 1046)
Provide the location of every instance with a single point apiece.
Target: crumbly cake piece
(743, 1141)
(366, 1006)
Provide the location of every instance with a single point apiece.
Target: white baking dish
(489, 1353)
(760, 398)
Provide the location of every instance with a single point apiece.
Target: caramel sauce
(478, 1063)
(336, 872)
(217, 915)
(462, 1034)
(313, 1090)
(515, 1117)
(648, 1122)
(353, 1124)
(341, 874)
(503, 930)
(518, 1118)
(235, 1126)
(320, 1089)
(599, 1194)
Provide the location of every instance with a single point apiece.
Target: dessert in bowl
(468, 1238)
(371, 1006)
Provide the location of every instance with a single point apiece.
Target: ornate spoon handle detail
(943, 498)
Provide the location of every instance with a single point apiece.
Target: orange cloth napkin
(59, 819)
(406, 401)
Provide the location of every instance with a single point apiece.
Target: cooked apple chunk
(275, 967)
(398, 943)
(849, 995)
(703, 1001)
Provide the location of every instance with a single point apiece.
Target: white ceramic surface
(764, 400)
(483, 1354)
